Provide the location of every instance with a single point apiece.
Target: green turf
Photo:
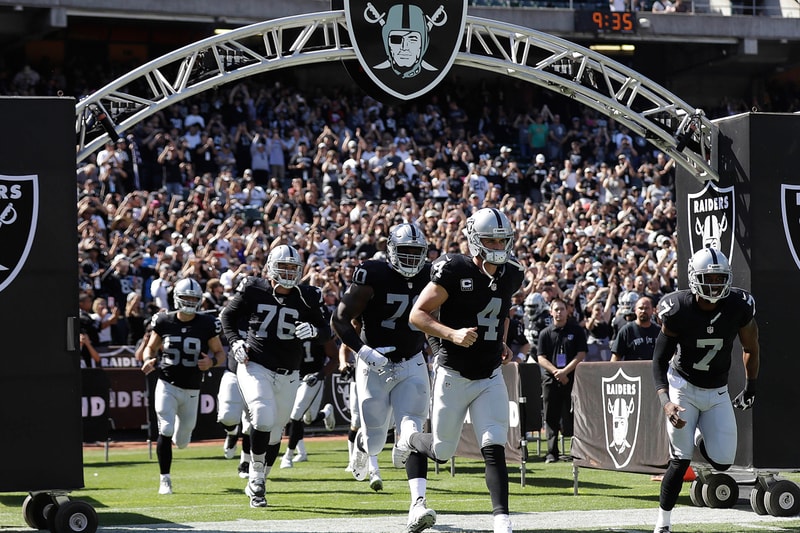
(207, 489)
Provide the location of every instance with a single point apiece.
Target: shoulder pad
(248, 281)
(366, 272)
(746, 297)
(668, 306)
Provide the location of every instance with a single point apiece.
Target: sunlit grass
(208, 489)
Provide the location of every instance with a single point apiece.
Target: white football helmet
(187, 296)
(535, 304)
(710, 275)
(627, 301)
(284, 266)
(489, 223)
(407, 249)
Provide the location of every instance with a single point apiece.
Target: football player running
(464, 309)
(232, 415)
(692, 382)
(280, 314)
(314, 368)
(185, 338)
(391, 369)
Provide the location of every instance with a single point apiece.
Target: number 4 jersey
(705, 338)
(474, 300)
(182, 344)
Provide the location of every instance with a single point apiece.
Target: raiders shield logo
(19, 211)
(406, 48)
(790, 211)
(712, 218)
(622, 403)
(340, 390)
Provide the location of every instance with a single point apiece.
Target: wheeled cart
(40, 386)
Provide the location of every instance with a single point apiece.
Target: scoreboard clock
(622, 22)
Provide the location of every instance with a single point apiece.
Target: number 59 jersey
(181, 346)
(705, 338)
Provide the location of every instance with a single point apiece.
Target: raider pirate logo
(712, 216)
(19, 210)
(406, 48)
(622, 401)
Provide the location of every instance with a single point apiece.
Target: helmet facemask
(284, 266)
(710, 275)
(407, 250)
(489, 223)
(187, 296)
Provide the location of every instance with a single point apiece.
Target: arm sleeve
(229, 318)
(665, 348)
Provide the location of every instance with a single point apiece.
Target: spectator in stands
(637, 339)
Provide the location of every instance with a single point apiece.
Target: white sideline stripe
(682, 516)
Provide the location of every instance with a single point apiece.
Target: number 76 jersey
(705, 338)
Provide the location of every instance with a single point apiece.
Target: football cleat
(300, 457)
(165, 485)
(360, 460)
(502, 524)
(349, 467)
(255, 489)
(287, 461)
(330, 419)
(420, 517)
(244, 470)
(375, 481)
(229, 448)
(662, 529)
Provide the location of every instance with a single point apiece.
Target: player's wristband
(663, 397)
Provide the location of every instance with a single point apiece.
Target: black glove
(311, 379)
(747, 397)
(348, 373)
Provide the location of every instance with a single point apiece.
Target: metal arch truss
(646, 108)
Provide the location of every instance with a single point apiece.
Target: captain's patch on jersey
(466, 285)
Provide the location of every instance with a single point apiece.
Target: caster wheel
(73, 517)
(696, 493)
(720, 491)
(783, 499)
(757, 497)
(33, 509)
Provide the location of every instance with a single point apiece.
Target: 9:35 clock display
(605, 21)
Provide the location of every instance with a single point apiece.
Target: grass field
(206, 488)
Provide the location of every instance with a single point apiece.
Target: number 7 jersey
(705, 338)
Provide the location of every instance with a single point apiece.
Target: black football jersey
(181, 345)
(313, 358)
(384, 322)
(705, 338)
(474, 300)
(271, 320)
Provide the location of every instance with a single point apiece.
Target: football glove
(304, 330)
(374, 356)
(747, 397)
(311, 379)
(239, 349)
(348, 373)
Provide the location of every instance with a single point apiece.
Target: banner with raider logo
(619, 423)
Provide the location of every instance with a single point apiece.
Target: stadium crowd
(205, 189)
